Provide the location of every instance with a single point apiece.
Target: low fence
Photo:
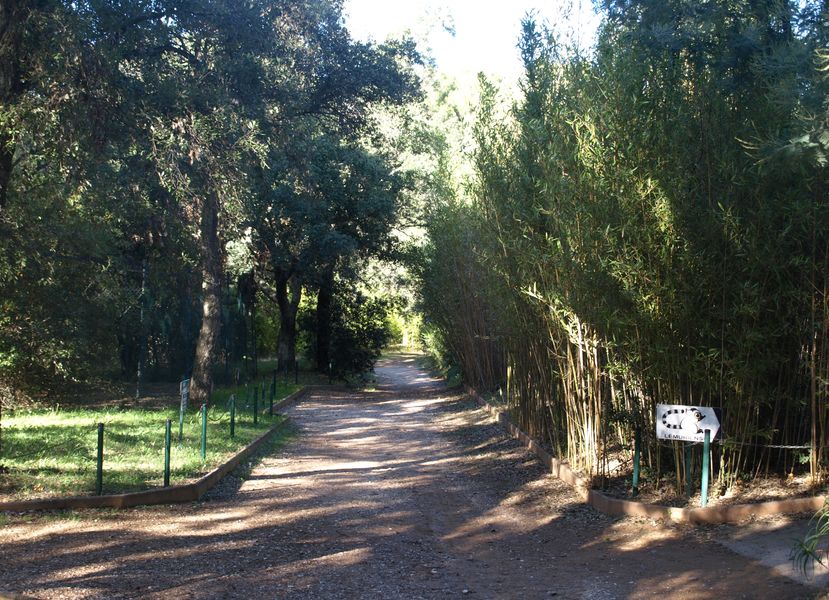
(619, 507)
(167, 494)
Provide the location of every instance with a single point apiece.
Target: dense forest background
(188, 185)
(181, 181)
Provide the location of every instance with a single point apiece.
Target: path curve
(406, 491)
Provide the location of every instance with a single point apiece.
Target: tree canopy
(141, 142)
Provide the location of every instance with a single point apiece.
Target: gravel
(405, 491)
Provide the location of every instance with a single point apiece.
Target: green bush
(359, 332)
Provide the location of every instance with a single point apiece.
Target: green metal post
(204, 431)
(270, 408)
(296, 372)
(637, 451)
(167, 435)
(688, 483)
(233, 416)
(99, 474)
(273, 380)
(706, 448)
(255, 405)
(180, 424)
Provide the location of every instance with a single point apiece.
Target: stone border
(189, 492)
(617, 507)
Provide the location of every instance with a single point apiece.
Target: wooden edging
(170, 495)
(618, 507)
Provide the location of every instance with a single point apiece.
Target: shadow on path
(408, 492)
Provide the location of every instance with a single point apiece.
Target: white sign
(685, 423)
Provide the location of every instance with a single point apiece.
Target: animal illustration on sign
(686, 419)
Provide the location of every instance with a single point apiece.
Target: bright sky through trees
(486, 31)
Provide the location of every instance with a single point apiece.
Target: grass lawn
(52, 452)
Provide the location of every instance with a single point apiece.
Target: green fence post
(233, 416)
(688, 482)
(204, 431)
(180, 424)
(273, 380)
(167, 435)
(706, 447)
(270, 408)
(99, 474)
(255, 405)
(637, 451)
(296, 372)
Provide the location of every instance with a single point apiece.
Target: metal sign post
(706, 449)
(694, 424)
(184, 391)
(233, 416)
(204, 432)
(167, 427)
(637, 453)
(99, 471)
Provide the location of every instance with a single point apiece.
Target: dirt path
(403, 492)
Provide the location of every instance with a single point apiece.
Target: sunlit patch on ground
(381, 496)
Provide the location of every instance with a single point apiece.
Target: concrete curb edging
(189, 492)
(617, 507)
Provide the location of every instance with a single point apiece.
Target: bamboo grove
(650, 224)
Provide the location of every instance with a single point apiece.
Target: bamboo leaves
(634, 251)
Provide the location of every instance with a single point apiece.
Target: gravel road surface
(406, 491)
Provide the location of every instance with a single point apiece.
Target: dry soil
(405, 491)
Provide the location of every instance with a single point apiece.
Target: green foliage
(647, 225)
(455, 288)
(395, 326)
(360, 330)
(812, 548)
(141, 147)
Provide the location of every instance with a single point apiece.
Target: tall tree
(290, 212)
(204, 72)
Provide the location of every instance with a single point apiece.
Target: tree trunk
(324, 298)
(288, 295)
(201, 380)
(13, 17)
